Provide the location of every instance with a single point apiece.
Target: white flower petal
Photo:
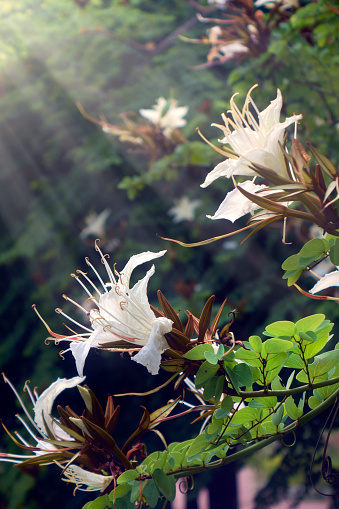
(44, 404)
(92, 481)
(331, 279)
(150, 355)
(235, 204)
(137, 260)
(139, 291)
(80, 351)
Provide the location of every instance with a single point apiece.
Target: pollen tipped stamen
(22, 440)
(60, 312)
(104, 262)
(84, 275)
(29, 392)
(97, 274)
(79, 305)
(20, 400)
(78, 280)
(54, 334)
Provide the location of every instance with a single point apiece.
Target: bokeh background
(65, 181)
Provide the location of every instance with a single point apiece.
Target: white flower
(218, 3)
(92, 481)
(184, 210)
(233, 49)
(235, 204)
(167, 115)
(331, 279)
(252, 140)
(42, 425)
(281, 4)
(96, 224)
(122, 316)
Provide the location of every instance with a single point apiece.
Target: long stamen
(112, 328)
(107, 267)
(29, 392)
(79, 305)
(130, 327)
(97, 274)
(139, 319)
(82, 284)
(25, 425)
(60, 312)
(89, 281)
(134, 303)
(22, 440)
(20, 401)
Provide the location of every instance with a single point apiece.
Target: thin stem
(288, 392)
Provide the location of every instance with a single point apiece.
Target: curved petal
(223, 169)
(150, 355)
(44, 403)
(139, 291)
(135, 261)
(235, 204)
(91, 480)
(331, 279)
(270, 116)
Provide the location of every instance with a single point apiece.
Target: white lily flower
(236, 205)
(122, 315)
(252, 140)
(92, 481)
(42, 424)
(331, 279)
(166, 114)
(184, 209)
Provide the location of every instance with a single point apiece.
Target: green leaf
(225, 408)
(198, 445)
(334, 253)
(164, 483)
(243, 375)
(283, 328)
(291, 263)
(294, 361)
(309, 323)
(250, 357)
(151, 493)
(205, 372)
(313, 402)
(210, 388)
(323, 363)
(99, 503)
(292, 278)
(212, 358)
(256, 343)
(121, 490)
(246, 415)
(277, 416)
(292, 410)
(314, 248)
(128, 476)
(198, 352)
(308, 336)
(219, 389)
(277, 345)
